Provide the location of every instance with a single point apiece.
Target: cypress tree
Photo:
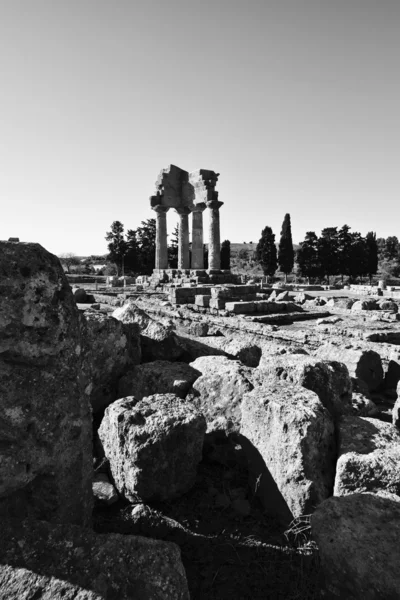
(226, 255)
(286, 254)
(372, 254)
(266, 252)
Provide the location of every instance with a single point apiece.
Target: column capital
(183, 210)
(214, 204)
(199, 208)
(160, 209)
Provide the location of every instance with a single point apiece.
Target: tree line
(135, 251)
(336, 252)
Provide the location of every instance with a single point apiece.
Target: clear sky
(296, 103)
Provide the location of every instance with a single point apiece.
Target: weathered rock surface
(111, 348)
(344, 303)
(366, 304)
(368, 457)
(363, 406)
(158, 341)
(288, 436)
(330, 380)
(388, 305)
(363, 364)
(158, 377)
(45, 418)
(357, 537)
(154, 446)
(219, 391)
(66, 562)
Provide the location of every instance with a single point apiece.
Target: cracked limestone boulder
(358, 546)
(45, 416)
(65, 562)
(368, 457)
(219, 391)
(364, 365)
(158, 377)
(289, 439)
(365, 304)
(111, 348)
(158, 341)
(330, 380)
(153, 445)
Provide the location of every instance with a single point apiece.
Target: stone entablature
(187, 193)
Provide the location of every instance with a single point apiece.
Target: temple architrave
(188, 194)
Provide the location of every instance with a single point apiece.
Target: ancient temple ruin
(188, 193)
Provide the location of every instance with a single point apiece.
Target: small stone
(103, 491)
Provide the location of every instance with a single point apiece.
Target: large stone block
(330, 380)
(154, 446)
(289, 439)
(158, 377)
(111, 348)
(158, 341)
(358, 542)
(66, 562)
(219, 391)
(363, 364)
(368, 457)
(45, 417)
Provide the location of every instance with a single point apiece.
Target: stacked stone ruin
(188, 193)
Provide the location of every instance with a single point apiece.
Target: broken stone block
(330, 380)
(217, 303)
(240, 308)
(363, 364)
(368, 457)
(45, 417)
(283, 296)
(62, 562)
(157, 341)
(103, 490)
(363, 406)
(357, 538)
(218, 392)
(289, 439)
(367, 304)
(110, 350)
(153, 445)
(202, 300)
(158, 377)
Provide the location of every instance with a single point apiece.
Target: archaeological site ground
(192, 436)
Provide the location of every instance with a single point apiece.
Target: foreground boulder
(158, 342)
(288, 436)
(330, 380)
(65, 562)
(110, 351)
(154, 446)
(358, 541)
(45, 417)
(363, 364)
(218, 392)
(368, 457)
(158, 377)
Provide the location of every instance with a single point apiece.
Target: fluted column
(214, 239)
(197, 237)
(161, 237)
(183, 239)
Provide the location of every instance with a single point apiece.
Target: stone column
(161, 237)
(183, 240)
(197, 237)
(214, 240)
